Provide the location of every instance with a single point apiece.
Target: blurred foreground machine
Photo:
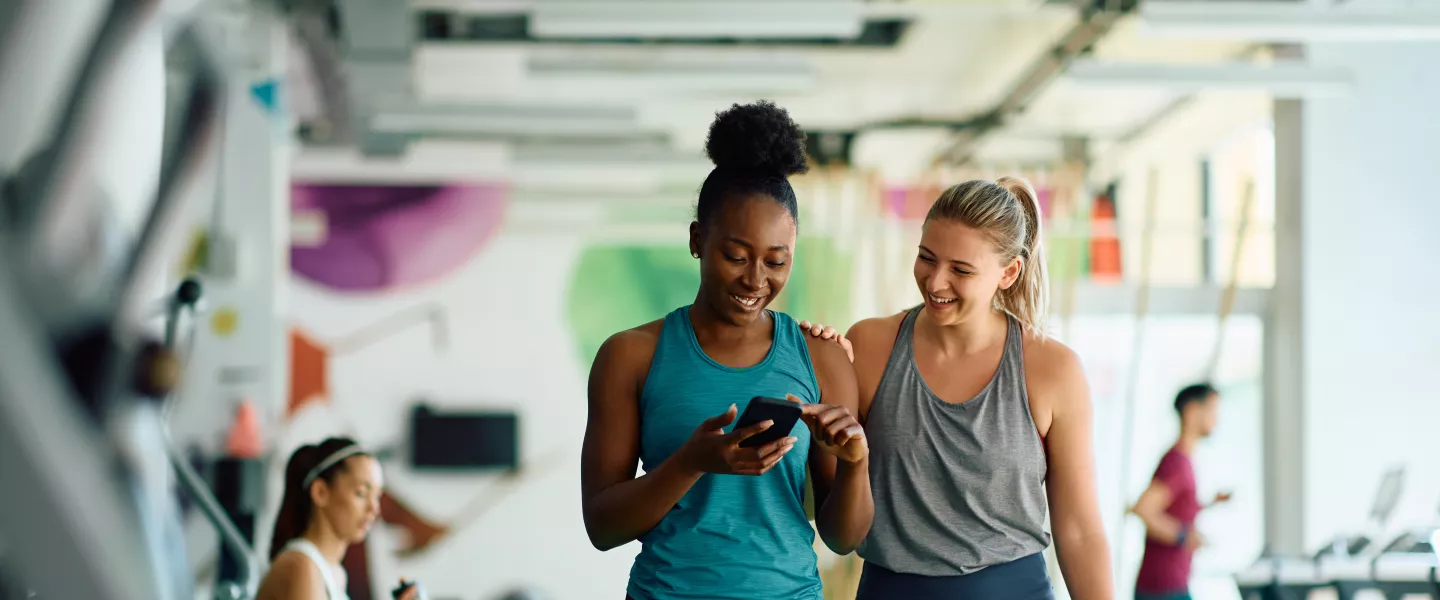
(1354, 562)
(88, 509)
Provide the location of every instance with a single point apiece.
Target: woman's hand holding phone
(836, 431)
(711, 450)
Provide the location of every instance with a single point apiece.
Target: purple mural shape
(378, 238)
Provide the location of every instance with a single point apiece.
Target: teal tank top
(730, 536)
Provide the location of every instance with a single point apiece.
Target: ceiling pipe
(1096, 19)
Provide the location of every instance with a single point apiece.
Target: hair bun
(759, 136)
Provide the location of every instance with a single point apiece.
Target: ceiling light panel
(1292, 21)
(699, 19)
(640, 74)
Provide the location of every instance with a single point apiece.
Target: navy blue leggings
(1023, 579)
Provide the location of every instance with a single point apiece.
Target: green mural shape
(615, 288)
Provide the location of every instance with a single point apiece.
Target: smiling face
(350, 502)
(959, 269)
(745, 255)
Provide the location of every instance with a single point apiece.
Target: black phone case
(404, 587)
(783, 412)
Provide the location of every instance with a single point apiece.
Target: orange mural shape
(309, 377)
(310, 357)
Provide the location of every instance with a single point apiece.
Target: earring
(694, 254)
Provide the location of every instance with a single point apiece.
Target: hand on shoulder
(826, 350)
(823, 333)
(872, 330)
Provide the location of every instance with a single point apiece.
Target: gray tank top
(958, 487)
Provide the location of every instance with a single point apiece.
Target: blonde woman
(978, 423)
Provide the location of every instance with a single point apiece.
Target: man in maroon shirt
(1169, 506)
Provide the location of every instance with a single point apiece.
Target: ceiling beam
(747, 19)
(1287, 79)
(928, 11)
(1179, 104)
(1093, 23)
(1291, 21)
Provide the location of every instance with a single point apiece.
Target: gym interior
(232, 228)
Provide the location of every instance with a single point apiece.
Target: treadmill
(1345, 564)
(1408, 564)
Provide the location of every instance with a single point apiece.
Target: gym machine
(1351, 563)
(87, 465)
(239, 575)
(1342, 564)
(1408, 564)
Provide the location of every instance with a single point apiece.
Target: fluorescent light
(1290, 21)
(511, 121)
(618, 154)
(928, 11)
(760, 74)
(1284, 80)
(425, 161)
(698, 19)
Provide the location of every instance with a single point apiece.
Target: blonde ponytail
(1008, 211)
(1028, 299)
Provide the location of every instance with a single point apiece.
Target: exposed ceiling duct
(1096, 19)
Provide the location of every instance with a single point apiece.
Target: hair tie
(330, 461)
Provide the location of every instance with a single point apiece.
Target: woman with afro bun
(714, 519)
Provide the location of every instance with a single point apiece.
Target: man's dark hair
(1193, 393)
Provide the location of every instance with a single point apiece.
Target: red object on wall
(1104, 242)
(309, 375)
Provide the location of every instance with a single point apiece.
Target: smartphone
(404, 587)
(784, 413)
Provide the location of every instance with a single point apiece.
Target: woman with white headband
(332, 497)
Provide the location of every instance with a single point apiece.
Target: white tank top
(333, 590)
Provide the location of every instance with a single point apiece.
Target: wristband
(1184, 535)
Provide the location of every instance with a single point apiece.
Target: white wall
(1372, 337)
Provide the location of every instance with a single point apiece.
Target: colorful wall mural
(378, 238)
